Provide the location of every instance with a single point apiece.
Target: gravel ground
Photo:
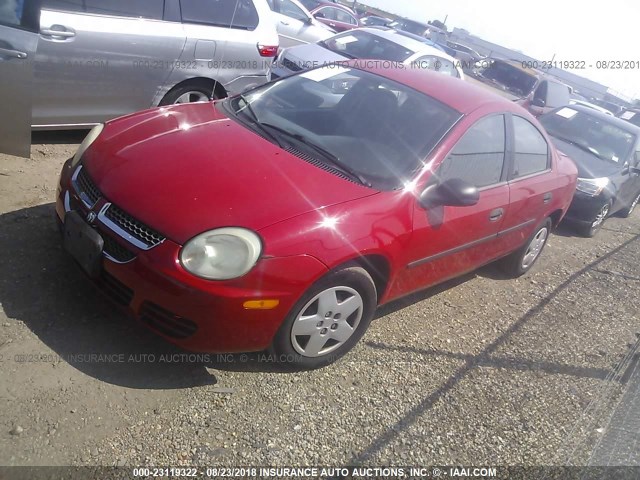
(481, 370)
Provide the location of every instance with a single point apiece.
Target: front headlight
(592, 186)
(221, 254)
(86, 143)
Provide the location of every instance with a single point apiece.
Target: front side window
(290, 9)
(478, 157)
(11, 12)
(375, 129)
(344, 17)
(239, 14)
(531, 152)
(152, 9)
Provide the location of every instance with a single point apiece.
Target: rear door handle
(547, 197)
(284, 23)
(49, 32)
(5, 52)
(496, 214)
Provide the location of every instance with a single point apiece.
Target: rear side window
(531, 150)
(240, 14)
(478, 157)
(152, 9)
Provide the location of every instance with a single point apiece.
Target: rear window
(240, 14)
(152, 9)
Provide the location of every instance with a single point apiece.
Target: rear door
(532, 183)
(448, 241)
(18, 43)
(99, 59)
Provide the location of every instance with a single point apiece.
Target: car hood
(186, 169)
(589, 166)
(312, 54)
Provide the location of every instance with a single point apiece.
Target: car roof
(615, 121)
(457, 94)
(415, 22)
(410, 43)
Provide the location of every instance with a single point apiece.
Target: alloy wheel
(601, 216)
(192, 96)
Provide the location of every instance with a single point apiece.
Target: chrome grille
(85, 186)
(115, 250)
(133, 227)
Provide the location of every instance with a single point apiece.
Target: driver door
(18, 43)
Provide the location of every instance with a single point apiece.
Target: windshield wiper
(325, 154)
(253, 119)
(583, 147)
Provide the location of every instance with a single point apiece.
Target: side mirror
(308, 21)
(319, 15)
(538, 102)
(453, 193)
(635, 170)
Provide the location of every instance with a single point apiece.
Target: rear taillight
(268, 50)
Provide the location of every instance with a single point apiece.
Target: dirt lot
(482, 370)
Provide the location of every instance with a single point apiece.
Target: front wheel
(629, 210)
(190, 92)
(521, 261)
(594, 227)
(328, 320)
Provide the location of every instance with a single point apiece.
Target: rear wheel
(328, 320)
(521, 261)
(625, 213)
(592, 228)
(190, 92)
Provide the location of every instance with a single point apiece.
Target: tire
(330, 330)
(523, 259)
(188, 93)
(594, 227)
(626, 212)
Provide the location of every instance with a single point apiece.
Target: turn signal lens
(260, 304)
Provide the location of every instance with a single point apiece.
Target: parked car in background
(611, 106)
(468, 57)
(420, 39)
(411, 26)
(99, 59)
(365, 43)
(584, 103)
(532, 89)
(400, 182)
(607, 153)
(632, 116)
(336, 16)
(296, 25)
(375, 21)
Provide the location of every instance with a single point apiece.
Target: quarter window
(118, 8)
(531, 150)
(220, 13)
(478, 157)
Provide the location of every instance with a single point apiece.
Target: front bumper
(584, 208)
(196, 314)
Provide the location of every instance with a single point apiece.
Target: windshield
(374, 129)
(600, 137)
(361, 44)
(511, 77)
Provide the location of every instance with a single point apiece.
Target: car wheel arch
(376, 265)
(208, 83)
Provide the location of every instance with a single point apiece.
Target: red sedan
(336, 16)
(283, 217)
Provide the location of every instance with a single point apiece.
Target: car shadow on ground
(41, 286)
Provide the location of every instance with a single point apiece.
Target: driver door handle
(284, 23)
(57, 33)
(5, 52)
(496, 214)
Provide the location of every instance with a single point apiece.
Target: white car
(372, 44)
(296, 25)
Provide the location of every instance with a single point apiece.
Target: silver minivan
(81, 62)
